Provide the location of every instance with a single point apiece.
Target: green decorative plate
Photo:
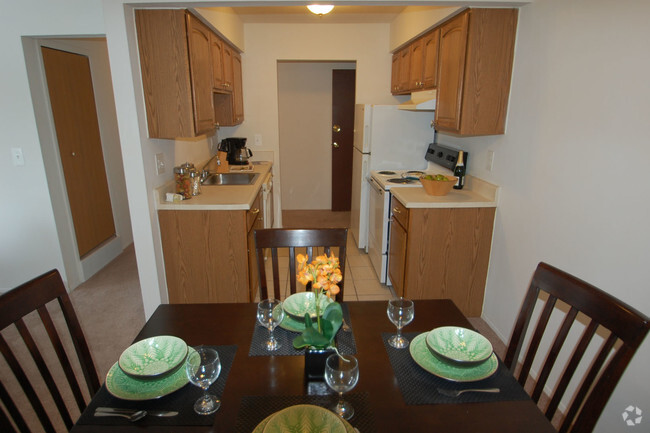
(298, 304)
(153, 356)
(126, 387)
(421, 354)
(304, 418)
(459, 345)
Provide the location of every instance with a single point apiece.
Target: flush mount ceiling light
(320, 9)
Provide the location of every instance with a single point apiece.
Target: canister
(182, 178)
(195, 182)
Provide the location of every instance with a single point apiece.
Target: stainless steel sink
(230, 179)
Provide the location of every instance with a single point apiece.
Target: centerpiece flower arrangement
(324, 275)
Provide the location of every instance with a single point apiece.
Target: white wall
(415, 21)
(572, 166)
(305, 128)
(29, 244)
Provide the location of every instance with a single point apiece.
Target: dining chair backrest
(44, 348)
(621, 327)
(309, 239)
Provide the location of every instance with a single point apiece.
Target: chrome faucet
(204, 172)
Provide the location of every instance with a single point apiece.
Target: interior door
(343, 90)
(77, 130)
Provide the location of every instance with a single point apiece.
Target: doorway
(305, 133)
(78, 269)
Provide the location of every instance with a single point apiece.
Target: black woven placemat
(345, 342)
(418, 386)
(254, 409)
(181, 401)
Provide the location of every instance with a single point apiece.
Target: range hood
(420, 101)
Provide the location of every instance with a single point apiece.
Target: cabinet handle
(396, 210)
(255, 211)
(336, 145)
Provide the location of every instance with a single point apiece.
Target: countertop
(476, 193)
(217, 197)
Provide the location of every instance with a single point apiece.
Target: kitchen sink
(230, 179)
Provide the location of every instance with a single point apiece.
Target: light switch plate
(258, 140)
(160, 163)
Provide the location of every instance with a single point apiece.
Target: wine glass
(401, 312)
(342, 374)
(203, 368)
(270, 314)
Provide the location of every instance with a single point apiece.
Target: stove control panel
(444, 156)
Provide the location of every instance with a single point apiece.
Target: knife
(163, 413)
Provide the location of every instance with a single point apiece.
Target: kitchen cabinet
(474, 72)
(238, 96)
(400, 72)
(176, 73)
(209, 255)
(438, 253)
(229, 102)
(416, 62)
(430, 43)
(183, 63)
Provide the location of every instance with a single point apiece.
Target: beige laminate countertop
(217, 197)
(476, 193)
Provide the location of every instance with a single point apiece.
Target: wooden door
(343, 90)
(201, 75)
(416, 62)
(430, 45)
(72, 100)
(451, 72)
(227, 68)
(404, 69)
(394, 76)
(397, 256)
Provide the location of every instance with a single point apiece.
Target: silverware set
(132, 414)
(457, 392)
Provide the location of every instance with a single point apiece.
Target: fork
(457, 392)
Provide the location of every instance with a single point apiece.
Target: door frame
(77, 270)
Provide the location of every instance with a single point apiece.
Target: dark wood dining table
(233, 324)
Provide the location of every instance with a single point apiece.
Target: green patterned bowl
(459, 345)
(301, 303)
(304, 418)
(153, 357)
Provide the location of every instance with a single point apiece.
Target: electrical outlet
(160, 163)
(17, 156)
(258, 140)
(489, 160)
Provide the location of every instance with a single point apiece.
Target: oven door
(378, 229)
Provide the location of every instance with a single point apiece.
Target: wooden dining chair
(292, 239)
(621, 327)
(36, 342)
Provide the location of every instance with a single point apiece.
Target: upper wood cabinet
(474, 73)
(468, 59)
(201, 74)
(183, 64)
(237, 91)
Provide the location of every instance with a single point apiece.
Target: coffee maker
(236, 150)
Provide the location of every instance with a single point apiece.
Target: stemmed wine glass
(203, 368)
(270, 314)
(342, 374)
(401, 312)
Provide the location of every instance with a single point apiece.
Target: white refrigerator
(385, 138)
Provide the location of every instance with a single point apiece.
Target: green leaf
(330, 324)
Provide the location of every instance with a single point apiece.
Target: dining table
(393, 393)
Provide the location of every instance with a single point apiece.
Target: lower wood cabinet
(440, 253)
(210, 254)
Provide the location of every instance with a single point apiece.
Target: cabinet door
(394, 75)
(404, 70)
(216, 51)
(453, 42)
(397, 256)
(238, 96)
(255, 221)
(430, 59)
(201, 75)
(416, 62)
(227, 67)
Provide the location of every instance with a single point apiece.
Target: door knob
(336, 145)
(336, 128)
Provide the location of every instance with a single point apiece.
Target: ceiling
(300, 14)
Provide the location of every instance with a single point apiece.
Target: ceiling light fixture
(320, 9)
